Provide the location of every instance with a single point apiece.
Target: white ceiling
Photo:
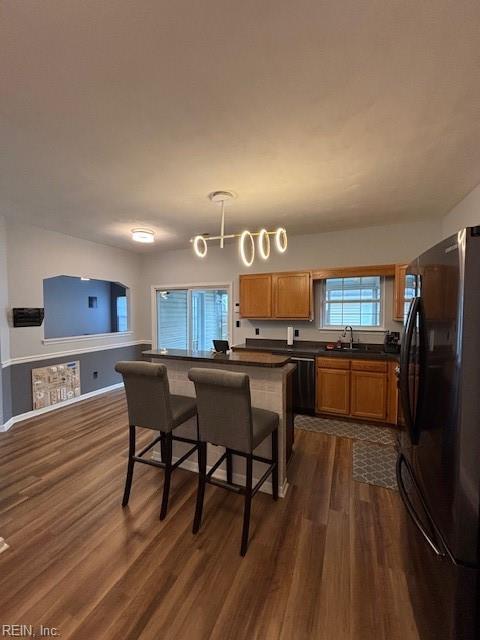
(319, 114)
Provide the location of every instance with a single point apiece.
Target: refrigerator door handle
(410, 508)
(405, 364)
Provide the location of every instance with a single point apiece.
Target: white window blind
(122, 314)
(192, 318)
(172, 319)
(352, 301)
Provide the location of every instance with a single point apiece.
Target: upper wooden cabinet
(292, 295)
(404, 286)
(256, 295)
(399, 292)
(276, 295)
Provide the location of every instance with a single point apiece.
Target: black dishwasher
(304, 385)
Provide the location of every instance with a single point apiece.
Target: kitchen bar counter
(306, 349)
(259, 359)
(270, 388)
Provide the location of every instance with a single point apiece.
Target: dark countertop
(304, 348)
(260, 359)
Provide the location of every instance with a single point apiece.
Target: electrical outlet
(238, 324)
(95, 375)
(257, 331)
(296, 333)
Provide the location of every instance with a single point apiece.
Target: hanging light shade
(264, 244)
(281, 240)
(243, 249)
(246, 238)
(200, 246)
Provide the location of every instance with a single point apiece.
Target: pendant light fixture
(246, 242)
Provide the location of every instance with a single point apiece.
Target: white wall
(465, 214)
(4, 334)
(373, 245)
(35, 254)
(4, 330)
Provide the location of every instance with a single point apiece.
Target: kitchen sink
(357, 348)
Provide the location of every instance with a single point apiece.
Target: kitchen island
(271, 388)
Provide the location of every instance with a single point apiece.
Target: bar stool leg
(229, 466)
(247, 507)
(162, 446)
(202, 473)
(168, 473)
(275, 462)
(131, 462)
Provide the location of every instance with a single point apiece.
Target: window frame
(202, 285)
(368, 328)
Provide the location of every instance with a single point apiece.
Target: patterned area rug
(374, 464)
(344, 429)
(373, 452)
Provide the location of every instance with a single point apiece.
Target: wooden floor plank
(323, 563)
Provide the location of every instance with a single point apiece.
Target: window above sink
(355, 301)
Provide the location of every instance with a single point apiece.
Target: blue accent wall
(67, 312)
(96, 372)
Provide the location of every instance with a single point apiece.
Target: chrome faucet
(344, 334)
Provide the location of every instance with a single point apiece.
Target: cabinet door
(292, 295)
(399, 292)
(256, 296)
(369, 395)
(392, 399)
(333, 391)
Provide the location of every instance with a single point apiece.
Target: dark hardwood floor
(323, 563)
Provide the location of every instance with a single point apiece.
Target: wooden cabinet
(333, 391)
(403, 291)
(256, 295)
(399, 292)
(355, 388)
(292, 295)
(276, 295)
(368, 395)
(440, 292)
(393, 400)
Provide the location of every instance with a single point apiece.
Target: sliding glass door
(192, 318)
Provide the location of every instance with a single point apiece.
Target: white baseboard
(60, 405)
(238, 478)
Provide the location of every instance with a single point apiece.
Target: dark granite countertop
(260, 359)
(305, 348)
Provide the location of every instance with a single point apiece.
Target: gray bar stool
(151, 406)
(226, 418)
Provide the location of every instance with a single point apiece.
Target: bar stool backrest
(224, 407)
(148, 394)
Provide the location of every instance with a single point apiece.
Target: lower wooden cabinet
(355, 388)
(368, 395)
(333, 391)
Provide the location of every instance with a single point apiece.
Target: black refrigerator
(438, 465)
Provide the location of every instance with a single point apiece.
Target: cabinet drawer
(369, 365)
(333, 363)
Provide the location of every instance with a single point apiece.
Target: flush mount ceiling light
(246, 239)
(143, 235)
